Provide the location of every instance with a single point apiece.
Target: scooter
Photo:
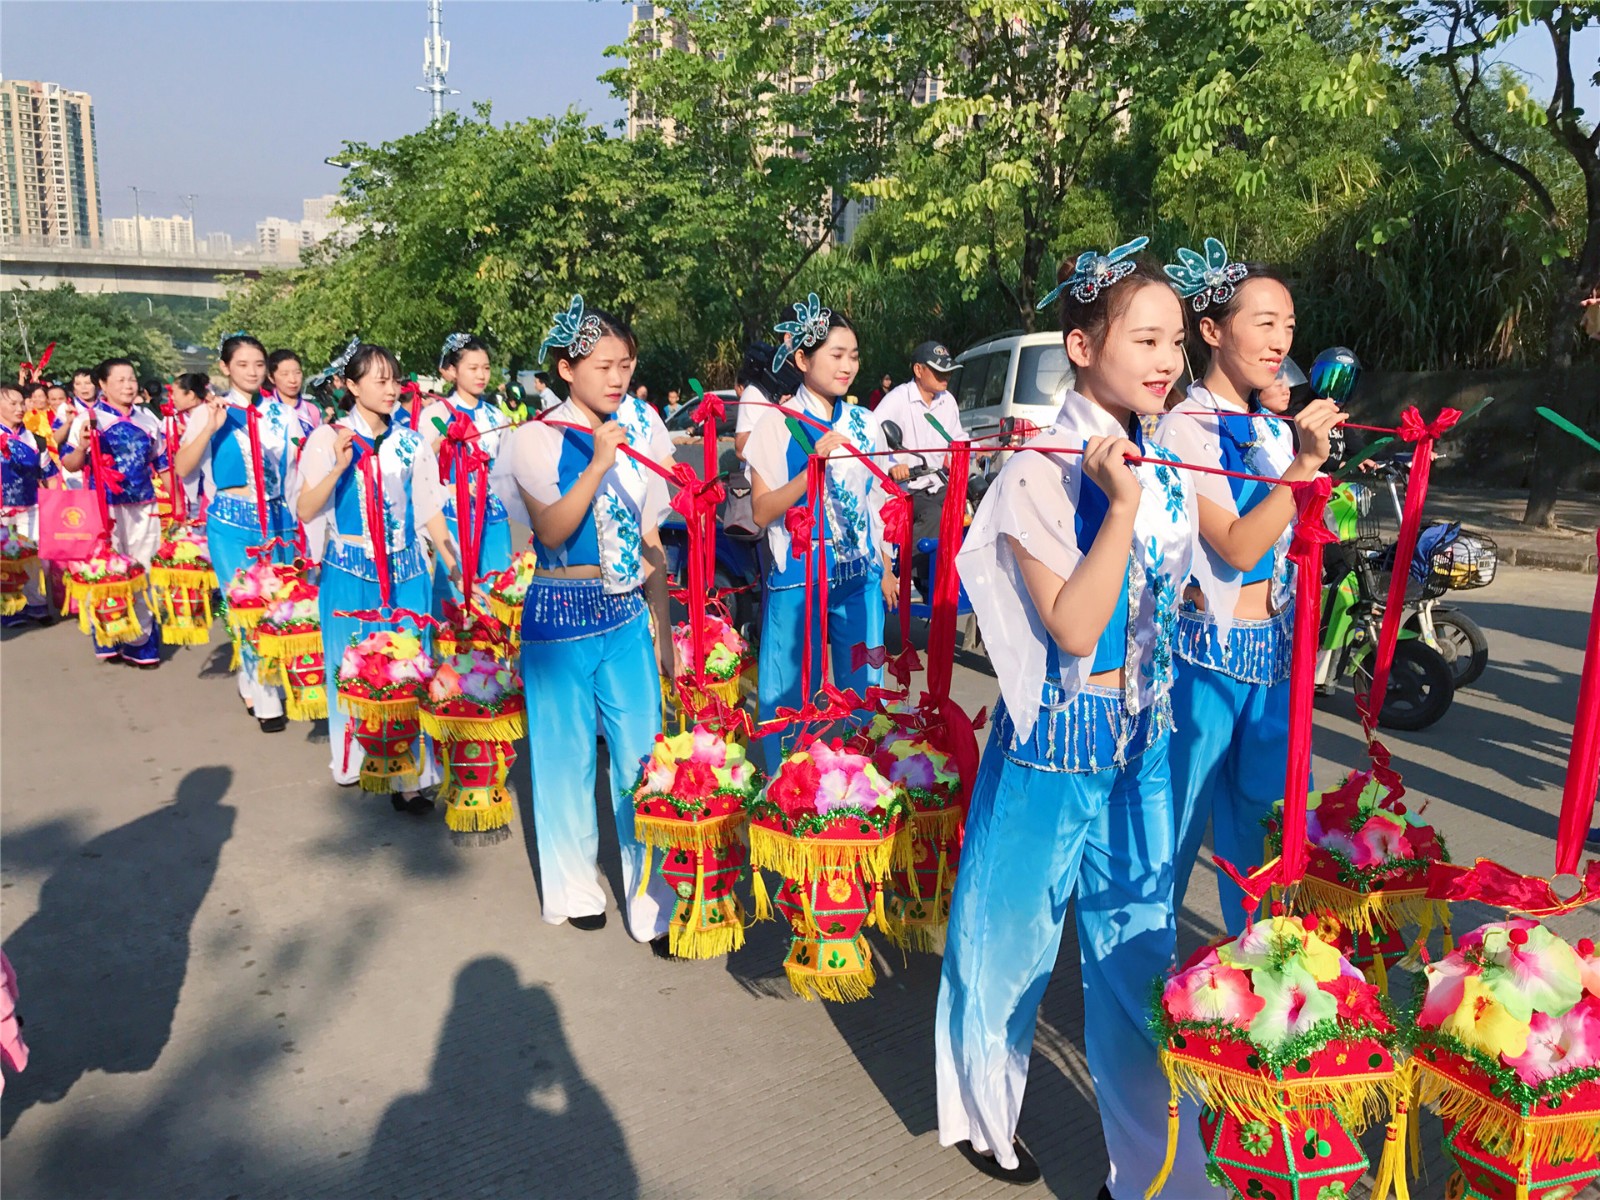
(1421, 685)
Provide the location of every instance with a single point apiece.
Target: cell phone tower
(436, 59)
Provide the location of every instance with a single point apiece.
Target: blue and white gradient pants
(1230, 744)
(583, 650)
(1037, 837)
(232, 530)
(855, 615)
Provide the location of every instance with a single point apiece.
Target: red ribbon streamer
(1305, 551)
(464, 463)
(252, 420)
(1583, 765)
(1412, 429)
(946, 582)
(180, 499)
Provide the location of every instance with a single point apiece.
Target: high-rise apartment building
(49, 175)
(153, 235)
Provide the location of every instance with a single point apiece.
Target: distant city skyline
(180, 114)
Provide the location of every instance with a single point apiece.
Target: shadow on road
(102, 960)
(507, 1110)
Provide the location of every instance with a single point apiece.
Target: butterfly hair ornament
(339, 363)
(1094, 272)
(1204, 280)
(451, 344)
(808, 329)
(223, 344)
(574, 330)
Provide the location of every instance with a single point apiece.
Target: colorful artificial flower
(1481, 1021)
(1291, 1004)
(1559, 1044)
(1280, 942)
(724, 648)
(1211, 990)
(718, 766)
(1529, 969)
(1357, 1001)
(916, 764)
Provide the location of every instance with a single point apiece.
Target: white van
(1022, 375)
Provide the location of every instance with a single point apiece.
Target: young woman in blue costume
(343, 466)
(25, 464)
(237, 442)
(587, 640)
(860, 568)
(134, 446)
(464, 363)
(1074, 565)
(1230, 699)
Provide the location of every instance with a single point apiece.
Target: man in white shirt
(544, 395)
(929, 421)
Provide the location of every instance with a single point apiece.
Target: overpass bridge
(102, 270)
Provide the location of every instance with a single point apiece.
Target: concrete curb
(1549, 560)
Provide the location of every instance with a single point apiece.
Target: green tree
(87, 329)
(1469, 30)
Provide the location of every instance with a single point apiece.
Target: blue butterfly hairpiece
(340, 362)
(809, 328)
(228, 338)
(1094, 272)
(1207, 280)
(574, 330)
(451, 344)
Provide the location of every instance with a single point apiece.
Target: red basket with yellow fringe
(465, 629)
(690, 804)
(727, 661)
(245, 599)
(1292, 1053)
(1507, 1050)
(288, 642)
(474, 710)
(104, 587)
(835, 829)
(181, 583)
(508, 589)
(1368, 870)
(19, 562)
(380, 684)
(919, 894)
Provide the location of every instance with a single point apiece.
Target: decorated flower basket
(727, 660)
(304, 678)
(690, 803)
(19, 562)
(1368, 868)
(474, 709)
(104, 588)
(508, 589)
(834, 828)
(181, 583)
(251, 591)
(380, 684)
(1507, 1049)
(465, 630)
(1292, 1053)
(919, 894)
(288, 641)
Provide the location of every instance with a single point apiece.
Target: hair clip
(451, 344)
(808, 329)
(578, 333)
(339, 363)
(1208, 280)
(1093, 273)
(223, 344)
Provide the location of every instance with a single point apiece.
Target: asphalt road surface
(242, 981)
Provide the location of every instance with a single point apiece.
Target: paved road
(241, 981)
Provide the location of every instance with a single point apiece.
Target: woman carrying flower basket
(289, 648)
(1074, 566)
(586, 621)
(243, 444)
(364, 487)
(24, 467)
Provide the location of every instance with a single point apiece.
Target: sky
(239, 101)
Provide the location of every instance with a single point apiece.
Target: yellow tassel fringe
(687, 835)
(378, 710)
(1357, 1100)
(936, 825)
(758, 890)
(1392, 1165)
(1370, 912)
(808, 859)
(1542, 1138)
(705, 943)
(506, 728)
(288, 645)
(1160, 1181)
(841, 989)
(480, 818)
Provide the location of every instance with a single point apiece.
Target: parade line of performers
(1136, 615)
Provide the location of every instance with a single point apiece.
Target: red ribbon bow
(799, 523)
(711, 408)
(1413, 428)
(897, 521)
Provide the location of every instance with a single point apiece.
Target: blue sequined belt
(241, 513)
(1255, 652)
(493, 510)
(404, 564)
(564, 610)
(1090, 732)
(839, 571)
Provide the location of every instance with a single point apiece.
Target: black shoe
(419, 805)
(1104, 1193)
(1026, 1170)
(396, 799)
(273, 724)
(661, 946)
(588, 924)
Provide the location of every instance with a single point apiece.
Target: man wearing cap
(929, 421)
